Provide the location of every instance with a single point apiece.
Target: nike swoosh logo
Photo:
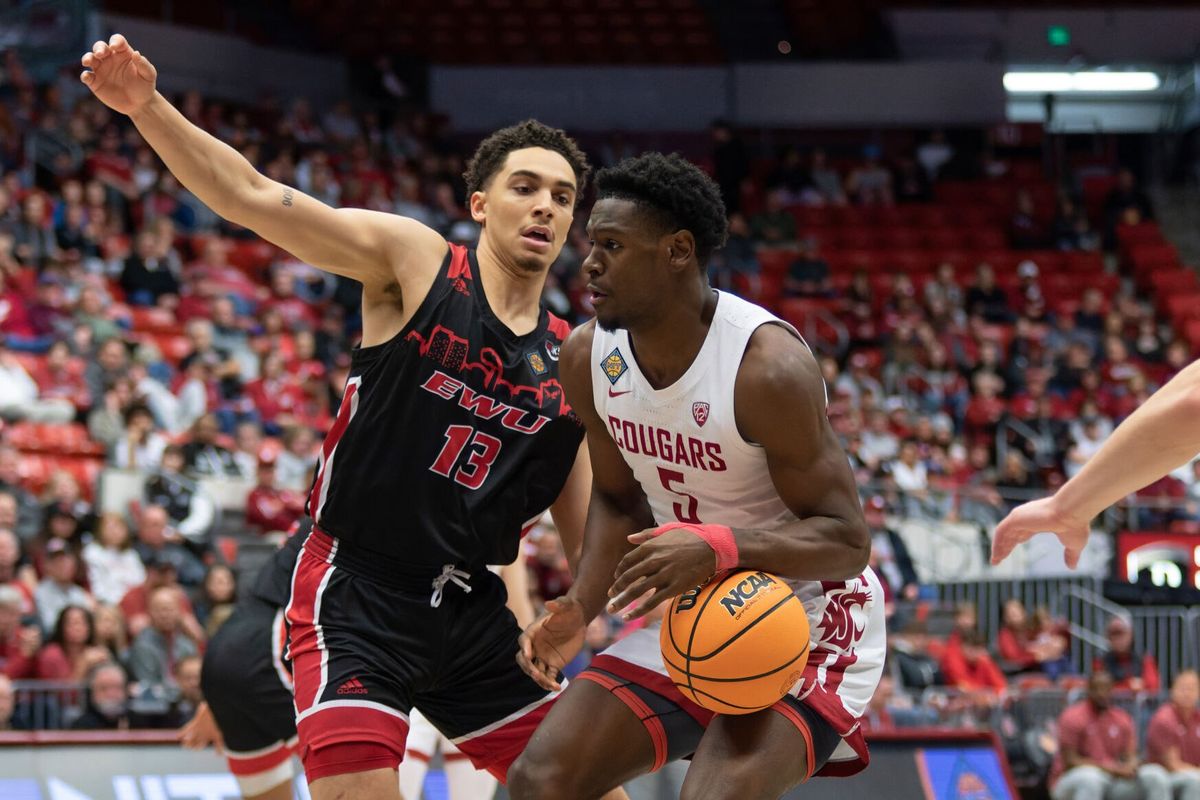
(611, 393)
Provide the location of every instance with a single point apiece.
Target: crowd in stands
(140, 332)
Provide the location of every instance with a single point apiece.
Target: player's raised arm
(368, 246)
(618, 508)
(1162, 434)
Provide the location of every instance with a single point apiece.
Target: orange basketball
(736, 644)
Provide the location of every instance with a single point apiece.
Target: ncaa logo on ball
(735, 599)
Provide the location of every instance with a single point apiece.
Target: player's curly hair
(490, 155)
(676, 191)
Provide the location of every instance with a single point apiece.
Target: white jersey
(684, 447)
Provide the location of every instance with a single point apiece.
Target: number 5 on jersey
(682, 513)
(479, 459)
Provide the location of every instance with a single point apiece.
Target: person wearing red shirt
(270, 508)
(1130, 670)
(1097, 751)
(1173, 738)
(967, 665)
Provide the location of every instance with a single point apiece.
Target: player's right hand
(551, 641)
(1040, 516)
(202, 731)
(121, 77)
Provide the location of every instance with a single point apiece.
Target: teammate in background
(1159, 436)
(1173, 738)
(711, 450)
(248, 712)
(451, 436)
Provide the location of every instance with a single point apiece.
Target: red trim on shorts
(449, 757)
(347, 757)
(350, 738)
(653, 725)
(660, 684)
(418, 755)
(797, 719)
(263, 762)
(496, 750)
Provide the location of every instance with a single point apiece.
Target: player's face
(626, 267)
(527, 208)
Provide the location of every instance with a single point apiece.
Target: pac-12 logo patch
(614, 365)
(552, 349)
(700, 413)
(536, 363)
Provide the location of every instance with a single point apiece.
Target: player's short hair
(675, 191)
(490, 155)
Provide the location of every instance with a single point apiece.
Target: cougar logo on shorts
(614, 366)
(838, 620)
(700, 413)
(736, 597)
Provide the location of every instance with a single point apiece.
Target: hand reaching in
(121, 77)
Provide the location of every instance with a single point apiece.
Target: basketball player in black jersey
(453, 433)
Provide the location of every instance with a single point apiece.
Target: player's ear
(681, 249)
(478, 206)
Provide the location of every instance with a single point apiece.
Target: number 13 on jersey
(482, 451)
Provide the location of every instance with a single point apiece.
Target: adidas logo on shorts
(352, 686)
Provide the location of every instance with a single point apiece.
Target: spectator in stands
(275, 395)
(111, 633)
(944, 287)
(870, 183)
(1097, 755)
(29, 510)
(20, 635)
(71, 651)
(157, 541)
(294, 465)
(203, 455)
(737, 262)
(15, 569)
(58, 589)
(111, 364)
(248, 447)
(731, 163)
(774, 226)
(268, 507)
(141, 447)
(8, 703)
(191, 511)
(34, 243)
(911, 649)
(187, 678)
(859, 384)
(985, 298)
(934, 155)
(1025, 229)
(146, 277)
(968, 667)
(21, 398)
(1126, 195)
(808, 274)
(223, 368)
(62, 492)
(1090, 315)
(107, 705)
(1016, 481)
(1173, 738)
(106, 420)
(826, 180)
(911, 476)
(551, 575)
(217, 598)
(889, 554)
(161, 644)
(1128, 669)
(1086, 441)
(1025, 645)
(113, 566)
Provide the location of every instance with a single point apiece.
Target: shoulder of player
(415, 253)
(777, 366)
(573, 367)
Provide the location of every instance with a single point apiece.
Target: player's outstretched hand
(551, 641)
(662, 566)
(120, 76)
(1040, 516)
(202, 731)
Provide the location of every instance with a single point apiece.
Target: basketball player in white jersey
(711, 450)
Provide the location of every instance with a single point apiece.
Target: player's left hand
(665, 566)
(202, 731)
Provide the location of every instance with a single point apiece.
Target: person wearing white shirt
(113, 566)
(141, 447)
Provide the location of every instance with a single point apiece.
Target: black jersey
(273, 583)
(450, 437)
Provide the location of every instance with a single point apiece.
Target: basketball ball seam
(697, 692)
(784, 666)
(692, 635)
(790, 596)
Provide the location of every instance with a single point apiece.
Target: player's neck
(666, 348)
(514, 294)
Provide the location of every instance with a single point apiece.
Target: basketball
(736, 644)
